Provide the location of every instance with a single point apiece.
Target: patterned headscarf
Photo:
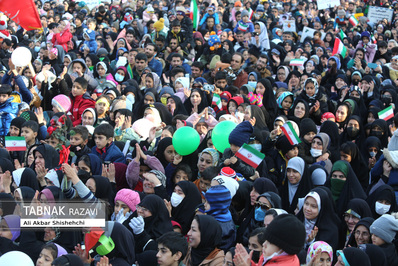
(214, 154)
(319, 245)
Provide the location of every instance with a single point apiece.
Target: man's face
(210, 23)
(149, 51)
(129, 37)
(46, 6)
(221, 83)
(317, 26)
(176, 61)
(173, 44)
(261, 64)
(239, 37)
(196, 73)
(159, 44)
(140, 65)
(236, 62)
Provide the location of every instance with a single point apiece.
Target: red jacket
(79, 104)
(286, 260)
(62, 40)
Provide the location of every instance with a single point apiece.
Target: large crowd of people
(310, 90)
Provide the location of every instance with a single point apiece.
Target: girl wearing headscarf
(344, 185)
(103, 76)
(296, 185)
(184, 200)
(285, 102)
(371, 151)
(208, 157)
(261, 115)
(175, 106)
(152, 80)
(326, 253)
(349, 152)
(353, 256)
(282, 73)
(316, 99)
(204, 238)
(319, 218)
(354, 131)
(150, 221)
(10, 233)
(121, 74)
(356, 210)
(165, 151)
(262, 41)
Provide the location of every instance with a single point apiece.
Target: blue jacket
(156, 66)
(23, 90)
(111, 153)
(92, 43)
(8, 111)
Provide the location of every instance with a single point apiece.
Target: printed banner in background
(22, 12)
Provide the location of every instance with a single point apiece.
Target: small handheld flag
(250, 155)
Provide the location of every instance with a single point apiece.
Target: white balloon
(21, 57)
(16, 258)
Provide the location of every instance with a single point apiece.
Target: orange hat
(238, 3)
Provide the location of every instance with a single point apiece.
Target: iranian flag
(290, 133)
(339, 48)
(15, 143)
(342, 34)
(216, 102)
(387, 113)
(353, 20)
(250, 155)
(297, 62)
(194, 15)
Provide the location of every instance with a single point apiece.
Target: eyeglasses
(359, 233)
(139, 207)
(348, 217)
(262, 205)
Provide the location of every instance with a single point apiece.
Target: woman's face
(169, 153)
(88, 119)
(340, 83)
(257, 28)
(299, 111)
(89, 63)
(205, 161)
(148, 82)
(83, 166)
(362, 235)
(341, 114)
(310, 208)
(309, 68)
(260, 89)
(45, 258)
(293, 176)
(165, 134)
(316, 144)
(281, 74)
(101, 70)
(143, 212)
(194, 234)
(248, 114)
(91, 185)
(287, 103)
(253, 196)
(310, 89)
(171, 105)
(148, 99)
(49, 234)
(195, 98)
(39, 159)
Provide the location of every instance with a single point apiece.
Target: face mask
(119, 77)
(131, 98)
(386, 100)
(372, 154)
(381, 208)
(74, 148)
(376, 133)
(83, 175)
(175, 199)
(355, 82)
(37, 49)
(252, 84)
(258, 147)
(355, 99)
(259, 214)
(271, 256)
(256, 256)
(370, 93)
(315, 153)
(163, 100)
(352, 131)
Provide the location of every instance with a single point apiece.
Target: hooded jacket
(92, 82)
(91, 43)
(8, 111)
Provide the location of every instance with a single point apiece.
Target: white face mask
(272, 255)
(176, 199)
(315, 153)
(372, 154)
(381, 208)
(119, 77)
(256, 146)
(131, 98)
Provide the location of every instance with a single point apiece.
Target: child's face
(224, 102)
(178, 85)
(14, 131)
(234, 148)
(56, 110)
(28, 134)
(4, 98)
(53, 142)
(232, 107)
(180, 176)
(287, 103)
(76, 140)
(101, 141)
(377, 240)
(77, 89)
(121, 205)
(101, 108)
(45, 258)
(269, 249)
(207, 206)
(309, 136)
(165, 257)
(204, 184)
(292, 153)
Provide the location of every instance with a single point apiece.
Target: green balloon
(186, 140)
(220, 135)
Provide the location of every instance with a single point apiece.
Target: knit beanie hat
(307, 125)
(228, 171)
(160, 176)
(219, 199)
(17, 122)
(159, 25)
(290, 241)
(392, 144)
(244, 13)
(241, 134)
(5, 89)
(283, 144)
(128, 196)
(385, 227)
(62, 103)
(231, 184)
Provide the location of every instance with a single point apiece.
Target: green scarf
(336, 186)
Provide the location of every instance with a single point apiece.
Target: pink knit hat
(62, 103)
(130, 197)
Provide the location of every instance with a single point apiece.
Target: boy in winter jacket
(104, 147)
(90, 44)
(8, 109)
(80, 100)
(245, 23)
(239, 136)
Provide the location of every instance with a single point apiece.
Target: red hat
(228, 171)
(328, 115)
(91, 238)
